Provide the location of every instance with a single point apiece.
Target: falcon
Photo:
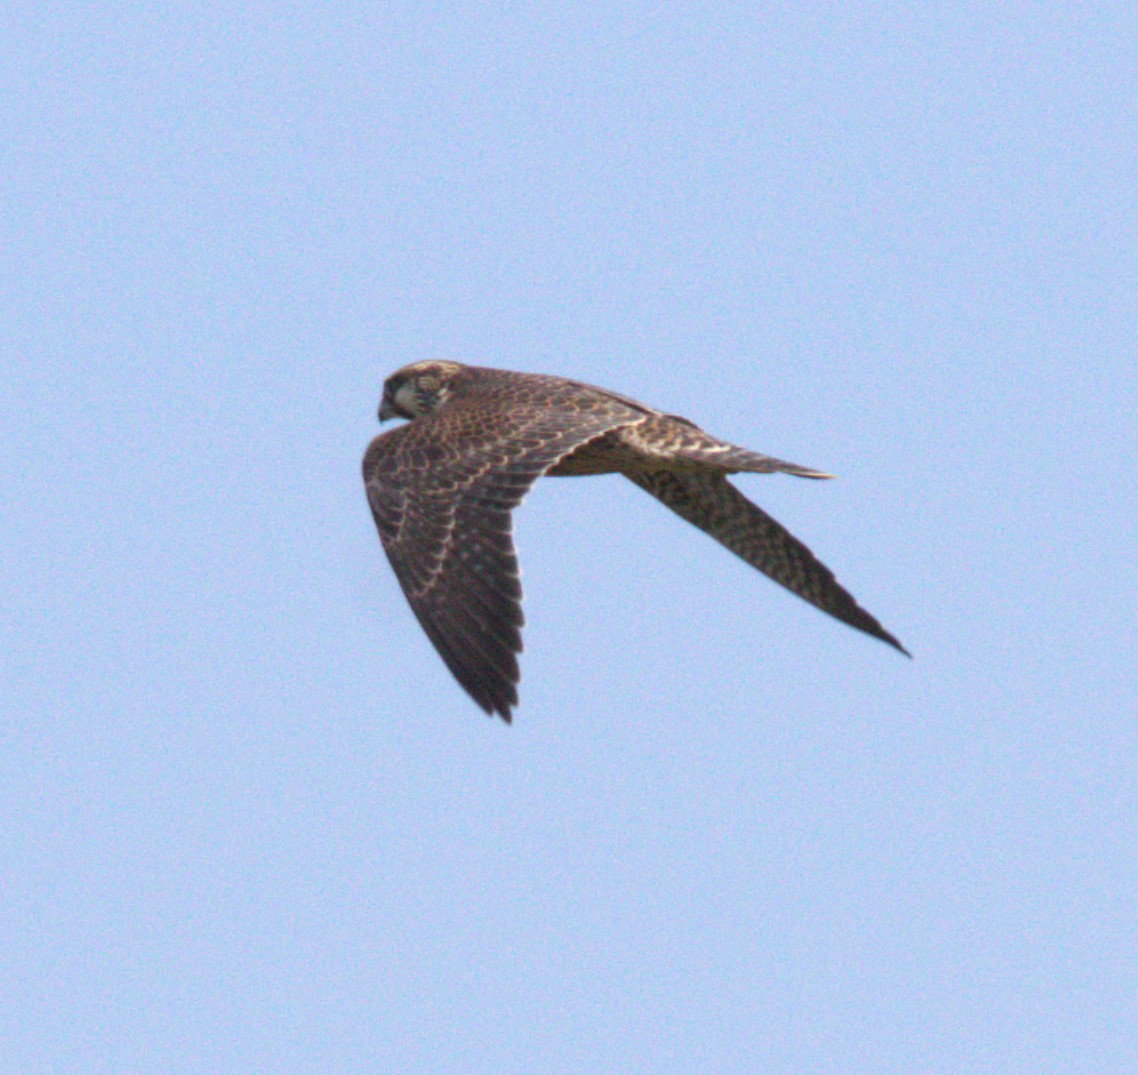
(443, 486)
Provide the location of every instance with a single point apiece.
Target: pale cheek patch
(405, 398)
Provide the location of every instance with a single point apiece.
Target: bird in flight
(442, 488)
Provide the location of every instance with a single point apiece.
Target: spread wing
(712, 503)
(441, 489)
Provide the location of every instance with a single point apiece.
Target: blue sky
(248, 821)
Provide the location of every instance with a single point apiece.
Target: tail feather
(735, 460)
(676, 440)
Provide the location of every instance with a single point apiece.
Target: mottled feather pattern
(712, 503)
(442, 489)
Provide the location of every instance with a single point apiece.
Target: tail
(736, 460)
(686, 441)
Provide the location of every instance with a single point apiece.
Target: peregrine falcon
(442, 488)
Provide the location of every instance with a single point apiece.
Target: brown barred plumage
(442, 488)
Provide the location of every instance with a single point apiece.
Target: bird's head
(417, 389)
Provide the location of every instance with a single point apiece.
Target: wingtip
(886, 637)
(495, 709)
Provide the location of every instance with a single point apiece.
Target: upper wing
(441, 489)
(713, 504)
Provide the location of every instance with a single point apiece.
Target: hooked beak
(386, 409)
